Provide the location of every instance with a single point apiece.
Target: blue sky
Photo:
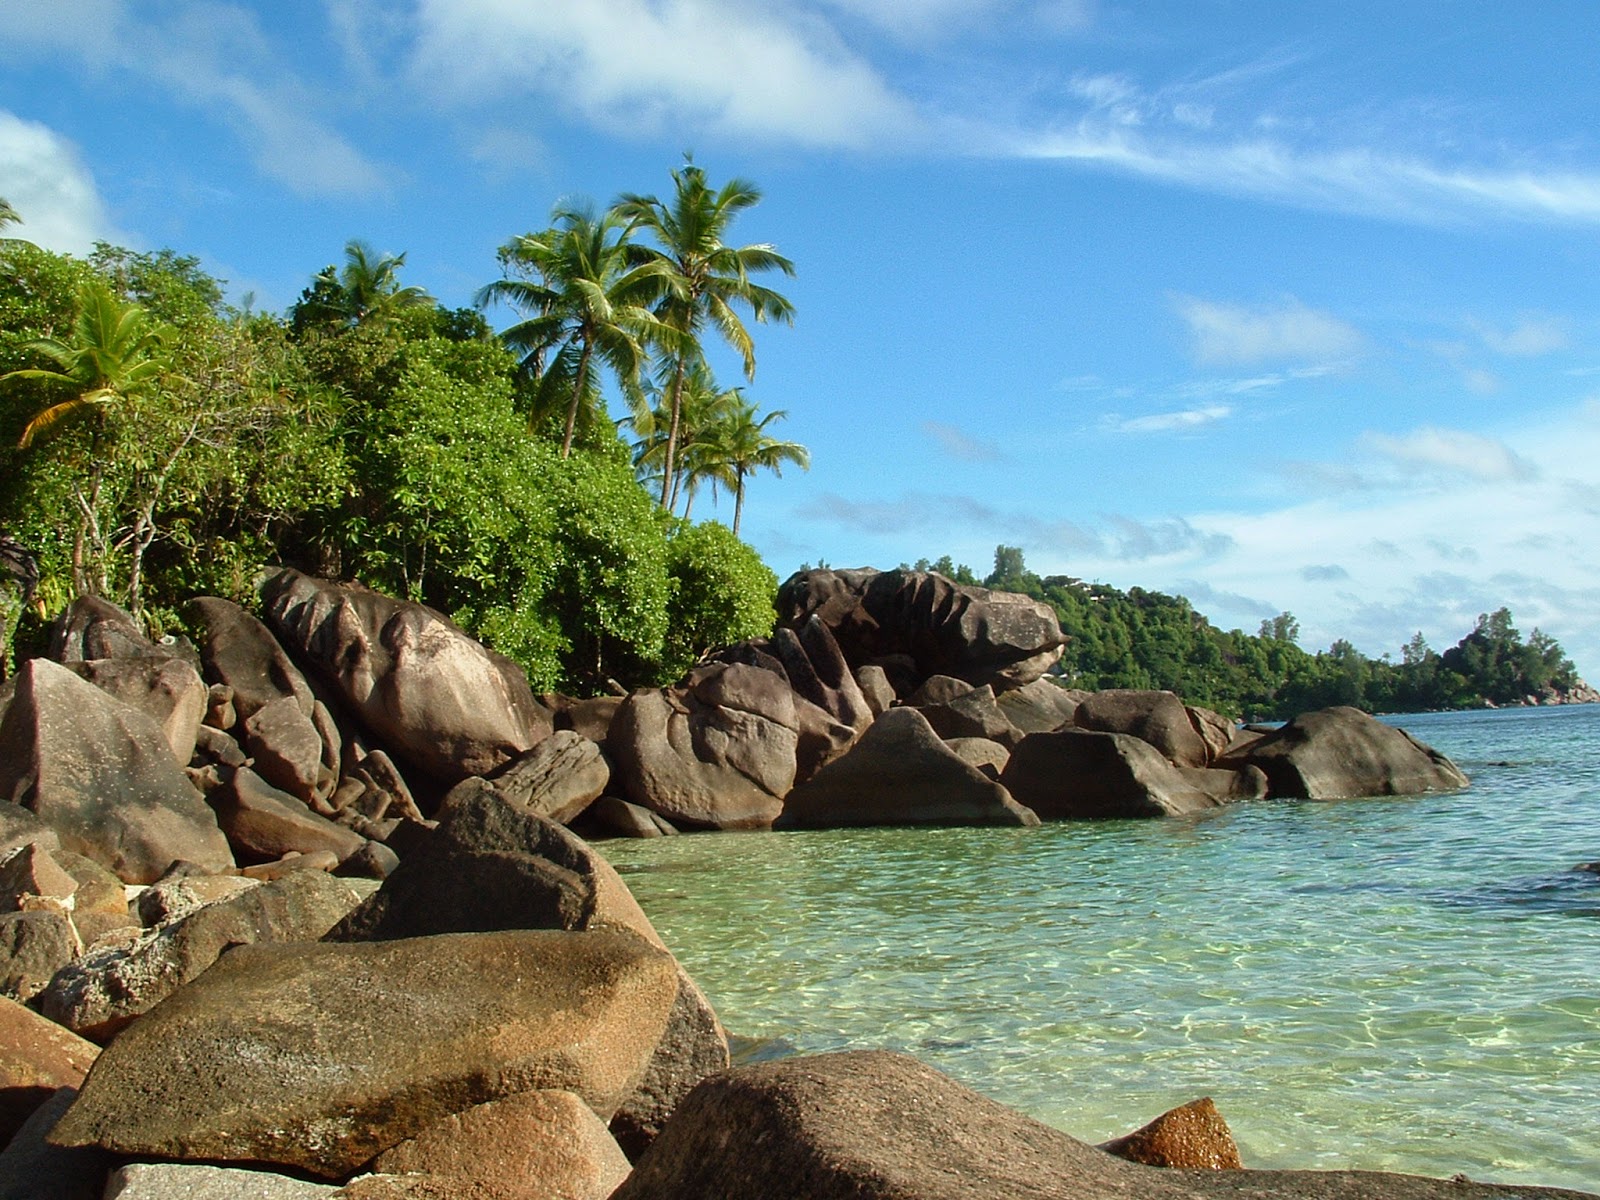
(1276, 306)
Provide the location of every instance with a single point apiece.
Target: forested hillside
(1142, 639)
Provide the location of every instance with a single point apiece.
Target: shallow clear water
(1391, 984)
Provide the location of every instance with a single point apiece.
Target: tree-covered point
(157, 444)
(1144, 639)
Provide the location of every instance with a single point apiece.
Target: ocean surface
(1403, 984)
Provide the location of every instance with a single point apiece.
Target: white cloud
(214, 57)
(1179, 135)
(1169, 422)
(943, 20)
(632, 65)
(1232, 333)
(1453, 452)
(46, 181)
(1530, 337)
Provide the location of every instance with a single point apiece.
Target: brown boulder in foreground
(319, 1056)
(1338, 752)
(871, 1125)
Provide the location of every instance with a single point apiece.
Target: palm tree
(745, 448)
(8, 214)
(365, 291)
(114, 357)
(701, 279)
(583, 300)
(703, 408)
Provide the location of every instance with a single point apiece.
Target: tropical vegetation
(157, 443)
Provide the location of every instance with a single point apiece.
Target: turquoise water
(1390, 984)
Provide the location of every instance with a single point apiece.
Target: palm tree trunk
(738, 502)
(577, 397)
(669, 460)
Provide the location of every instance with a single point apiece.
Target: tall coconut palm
(114, 357)
(365, 291)
(745, 447)
(703, 281)
(703, 406)
(583, 301)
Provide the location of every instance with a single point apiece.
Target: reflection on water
(1399, 984)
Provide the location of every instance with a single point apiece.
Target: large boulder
(871, 1125)
(901, 773)
(538, 1145)
(558, 778)
(196, 1181)
(1075, 773)
(1159, 718)
(102, 776)
(946, 628)
(168, 690)
(262, 823)
(106, 989)
(973, 714)
(32, 1168)
(1041, 706)
(719, 752)
(433, 695)
(1339, 752)
(491, 866)
(818, 672)
(240, 652)
(92, 628)
(320, 1056)
(37, 1057)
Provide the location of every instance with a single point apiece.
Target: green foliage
(723, 593)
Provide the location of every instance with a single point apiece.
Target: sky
(1281, 307)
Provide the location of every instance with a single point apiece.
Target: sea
(1398, 984)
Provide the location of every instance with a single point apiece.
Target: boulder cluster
(310, 895)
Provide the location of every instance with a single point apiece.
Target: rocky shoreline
(311, 907)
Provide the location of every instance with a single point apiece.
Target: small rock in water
(1193, 1135)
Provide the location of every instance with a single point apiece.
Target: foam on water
(1392, 984)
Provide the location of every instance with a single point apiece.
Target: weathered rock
(175, 897)
(102, 775)
(241, 653)
(537, 1145)
(213, 746)
(948, 629)
(818, 672)
(693, 1046)
(870, 1125)
(220, 711)
(287, 749)
(1215, 730)
(558, 778)
(876, 688)
(718, 753)
(1158, 718)
(1193, 1135)
(1339, 752)
(434, 696)
(37, 1057)
(611, 816)
(292, 863)
(900, 773)
(492, 866)
(30, 873)
(1041, 706)
(33, 947)
(373, 861)
(33, 1169)
(92, 628)
(193, 1181)
(938, 689)
(1076, 773)
(1220, 783)
(321, 1056)
(591, 717)
(167, 690)
(262, 823)
(989, 757)
(100, 994)
(973, 714)
(19, 827)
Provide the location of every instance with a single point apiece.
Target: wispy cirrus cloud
(1234, 334)
(1530, 337)
(1184, 421)
(1452, 452)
